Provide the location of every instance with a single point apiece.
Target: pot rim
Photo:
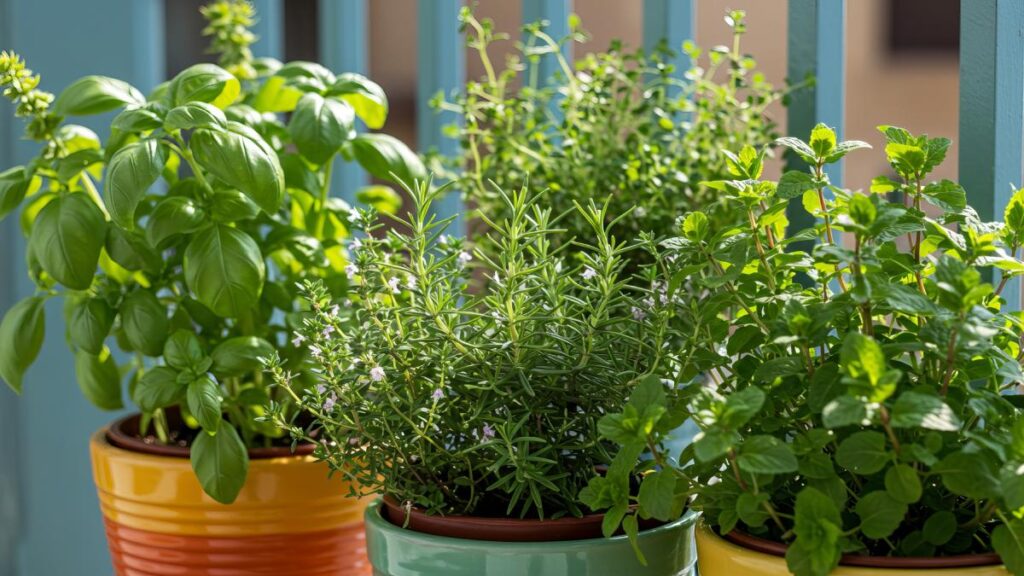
(121, 433)
(375, 516)
(772, 548)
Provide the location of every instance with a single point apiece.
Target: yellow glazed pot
(289, 518)
(717, 556)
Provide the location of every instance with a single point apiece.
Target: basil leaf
(183, 350)
(221, 463)
(240, 355)
(173, 216)
(14, 185)
(132, 170)
(67, 238)
(158, 388)
(95, 95)
(204, 83)
(240, 157)
(89, 324)
(204, 402)
(366, 97)
(21, 337)
(224, 270)
(387, 158)
(99, 379)
(144, 321)
(194, 115)
(320, 126)
(232, 206)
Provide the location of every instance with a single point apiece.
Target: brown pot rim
(959, 561)
(123, 433)
(497, 529)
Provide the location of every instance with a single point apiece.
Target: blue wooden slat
(991, 103)
(343, 48)
(815, 47)
(442, 68)
(673, 22)
(61, 531)
(556, 13)
(269, 28)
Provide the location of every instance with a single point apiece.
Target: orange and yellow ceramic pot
(749, 556)
(289, 518)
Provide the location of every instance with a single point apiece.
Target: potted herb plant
(181, 238)
(626, 125)
(853, 401)
(474, 409)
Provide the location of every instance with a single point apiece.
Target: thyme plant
(182, 236)
(853, 399)
(619, 124)
(479, 400)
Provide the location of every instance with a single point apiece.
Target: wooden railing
(49, 521)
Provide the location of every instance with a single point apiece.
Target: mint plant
(182, 237)
(619, 124)
(462, 398)
(853, 399)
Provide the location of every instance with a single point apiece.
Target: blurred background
(901, 67)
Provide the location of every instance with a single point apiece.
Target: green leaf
(1011, 480)
(204, 402)
(1008, 540)
(131, 251)
(903, 484)
(141, 119)
(696, 226)
(939, 527)
(132, 170)
(241, 355)
(631, 526)
(224, 270)
(95, 95)
(744, 339)
(232, 206)
(947, 195)
(99, 379)
(67, 238)
(1013, 216)
(825, 386)
(158, 388)
(906, 299)
(173, 216)
(277, 96)
(863, 453)
(387, 158)
(712, 444)
(241, 158)
(844, 411)
(920, 410)
(880, 514)
(766, 455)
(14, 185)
(21, 337)
(144, 321)
(89, 324)
(799, 146)
(384, 199)
(970, 474)
(823, 140)
(657, 497)
(741, 406)
(844, 148)
(183, 351)
(365, 96)
(794, 183)
(221, 463)
(649, 391)
(817, 526)
(204, 83)
(320, 126)
(194, 115)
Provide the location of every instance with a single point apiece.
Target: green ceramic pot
(395, 551)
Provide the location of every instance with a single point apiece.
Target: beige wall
(880, 89)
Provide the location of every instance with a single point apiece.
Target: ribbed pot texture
(289, 518)
(397, 551)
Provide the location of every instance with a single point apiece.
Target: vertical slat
(991, 102)
(671, 21)
(10, 494)
(556, 13)
(343, 48)
(60, 531)
(442, 68)
(269, 28)
(815, 46)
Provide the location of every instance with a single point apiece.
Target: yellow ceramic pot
(289, 518)
(717, 556)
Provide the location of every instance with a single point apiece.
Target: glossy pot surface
(289, 518)
(397, 551)
(720, 557)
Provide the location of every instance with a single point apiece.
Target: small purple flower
(464, 258)
(438, 394)
(330, 402)
(393, 284)
(638, 314)
(411, 282)
(589, 273)
(334, 311)
(328, 330)
(487, 433)
(443, 239)
(315, 351)
(320, 388)
(298, 340)
(377, 373)
(353, 216)
(355, 244)
(351, 270)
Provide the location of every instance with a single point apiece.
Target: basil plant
(852, 399)
(181, 238)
